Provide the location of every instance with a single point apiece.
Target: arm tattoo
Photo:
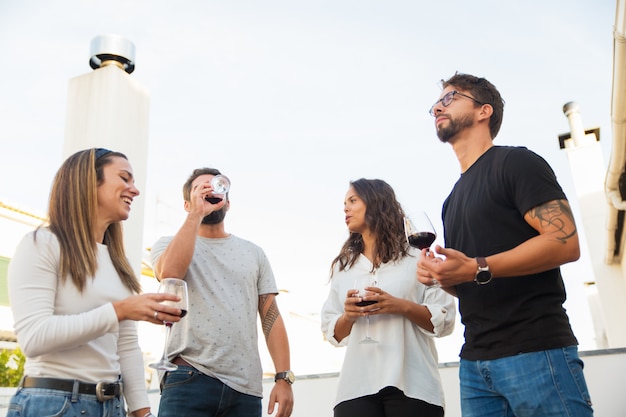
(553, 214)
(269, 318)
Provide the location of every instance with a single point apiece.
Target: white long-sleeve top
(405, 357)
(68, 334)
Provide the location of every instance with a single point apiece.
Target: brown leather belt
(103, 391)
(180, 361)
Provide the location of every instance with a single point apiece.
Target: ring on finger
(435, 282)
(156, 313)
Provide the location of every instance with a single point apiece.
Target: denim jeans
(187, 392)
(41, 402)
(547, 383)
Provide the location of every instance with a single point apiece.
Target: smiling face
(116, 191)
(354, 208)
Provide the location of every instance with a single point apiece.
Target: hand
(198, 204)
(426, 265)
(455, 268)
(385, 302)
(352, 311)
(144, 306)
(282, 395)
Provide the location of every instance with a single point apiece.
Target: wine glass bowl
(419, 231)
(221, 185)
(360, 283)
(177, 287)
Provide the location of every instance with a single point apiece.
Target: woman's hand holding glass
(177, 287)
(143, 306)
(365, 303)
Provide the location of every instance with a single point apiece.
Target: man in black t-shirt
(508, 227)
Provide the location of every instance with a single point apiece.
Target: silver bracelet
(149, 414)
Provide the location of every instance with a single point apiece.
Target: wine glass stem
(168, 329)
(367, 327)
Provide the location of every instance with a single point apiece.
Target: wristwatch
(287, 376)
(483, 275)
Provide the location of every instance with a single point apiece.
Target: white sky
(293, 99)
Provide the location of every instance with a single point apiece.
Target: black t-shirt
(484, 215)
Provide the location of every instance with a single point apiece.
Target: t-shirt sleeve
(267, 282)
(531, 180)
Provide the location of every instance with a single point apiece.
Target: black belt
(102, 390)
(180, 361)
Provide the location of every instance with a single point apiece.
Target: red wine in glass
(360, 283)
(421, 240)
(213, 199)
(183, 313)
(419, 230)
(220, 184)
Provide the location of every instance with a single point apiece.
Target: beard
(454, 127)
(215, 217)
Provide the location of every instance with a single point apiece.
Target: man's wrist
(287, 376)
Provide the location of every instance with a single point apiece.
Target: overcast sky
(293, 99)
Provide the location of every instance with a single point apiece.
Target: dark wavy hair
(483, 91)
(385, 218)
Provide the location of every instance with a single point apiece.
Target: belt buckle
(101, 394)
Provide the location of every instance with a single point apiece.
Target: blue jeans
(187, 392)
(40, 402)
(547, 383)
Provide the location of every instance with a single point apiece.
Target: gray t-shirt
(219, 334)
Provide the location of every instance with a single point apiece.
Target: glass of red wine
(177, 287)
(419, 230)
(220, 184)
(359, 284)
(420, 233)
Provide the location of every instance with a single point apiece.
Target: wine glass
(420, 234)
(359, 284)
(419, 230)
(220, 184)
(177, 287)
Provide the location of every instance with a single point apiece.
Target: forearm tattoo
(556, 214)
(269, 314)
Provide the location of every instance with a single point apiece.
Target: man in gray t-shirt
(229, 281)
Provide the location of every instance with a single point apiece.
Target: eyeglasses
(447, 99)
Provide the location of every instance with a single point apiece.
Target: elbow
(30, 349)
(573, 254)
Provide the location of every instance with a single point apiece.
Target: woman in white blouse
(75, 297)
(398, 376)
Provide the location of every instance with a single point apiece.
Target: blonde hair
(72, 213)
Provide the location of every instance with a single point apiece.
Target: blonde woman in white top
(398, 376)
(75, 297)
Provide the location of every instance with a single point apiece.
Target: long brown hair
(384, 216)
(72, 213)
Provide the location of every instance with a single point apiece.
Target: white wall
(605, 371)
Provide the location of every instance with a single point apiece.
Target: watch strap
(483, 274)
(286, 376)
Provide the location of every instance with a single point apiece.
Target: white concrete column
(588, 173)
(107, 108)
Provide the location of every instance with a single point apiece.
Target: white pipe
(618, 118)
